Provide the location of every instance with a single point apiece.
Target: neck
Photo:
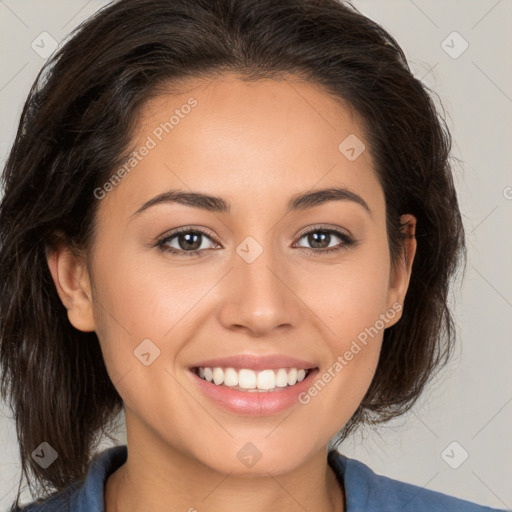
(147, 481)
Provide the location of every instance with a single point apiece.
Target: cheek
(139, 298)
(141, 294)
(351, 301)
(128, 307)
(351, 295)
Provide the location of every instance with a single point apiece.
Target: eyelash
(347, 241)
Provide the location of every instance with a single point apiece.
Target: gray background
(470, 403)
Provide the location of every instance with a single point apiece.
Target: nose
(258, 297)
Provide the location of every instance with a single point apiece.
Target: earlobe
(71, 279)
(401, 271)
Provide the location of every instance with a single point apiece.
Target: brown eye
(186, 242)
(321, 240)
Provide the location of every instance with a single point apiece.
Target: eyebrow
(298, 202)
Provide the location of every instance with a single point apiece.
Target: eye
(320, 240)
(185, 242)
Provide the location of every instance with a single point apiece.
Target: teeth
(246, 379)
(230, 377)
(266, 380)
(208, 374)
(218, 376)
(281, 378)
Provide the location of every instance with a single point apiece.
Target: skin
(256, 145)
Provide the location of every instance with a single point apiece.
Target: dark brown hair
(76, 128)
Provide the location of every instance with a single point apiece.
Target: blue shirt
(365, 491)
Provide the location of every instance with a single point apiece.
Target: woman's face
(262, 283)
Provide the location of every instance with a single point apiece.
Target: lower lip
(255, 403)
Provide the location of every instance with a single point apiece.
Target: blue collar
(364, 490)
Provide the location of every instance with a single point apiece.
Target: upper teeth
(249, 379)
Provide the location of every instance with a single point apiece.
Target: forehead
(256, 140)
(260, 106)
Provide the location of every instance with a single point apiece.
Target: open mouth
(245, 379)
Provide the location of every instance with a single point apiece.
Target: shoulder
(365, 490)
(84, 495)
(58, 502)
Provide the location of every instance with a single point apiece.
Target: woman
(235, 222)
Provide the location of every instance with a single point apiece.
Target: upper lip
(253, 362)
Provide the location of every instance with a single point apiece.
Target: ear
(71, 278)
(401, 269)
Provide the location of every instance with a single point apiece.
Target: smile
(249, 380)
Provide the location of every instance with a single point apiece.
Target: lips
(255, 362)
(255, 403)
